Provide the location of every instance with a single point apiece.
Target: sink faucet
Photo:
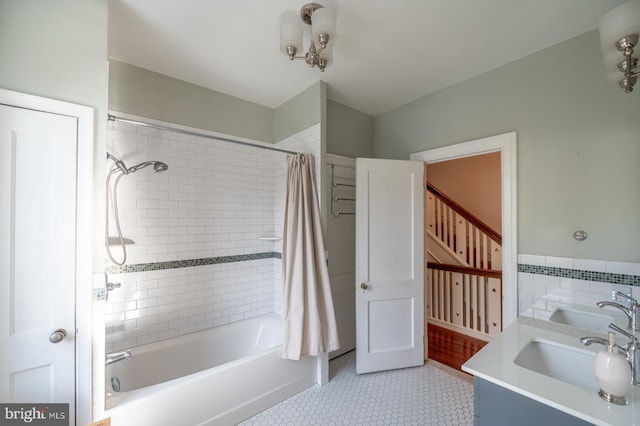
(631, 351)
(118, 356)
(632, 312)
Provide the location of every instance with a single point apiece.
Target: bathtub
(218, 376)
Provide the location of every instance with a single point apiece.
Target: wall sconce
(323, 32)
(619, 30)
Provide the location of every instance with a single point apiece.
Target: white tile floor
(429, 395)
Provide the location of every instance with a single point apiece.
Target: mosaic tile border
(604, 277)
(175, 264)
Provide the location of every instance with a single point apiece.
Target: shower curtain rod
(111, 117)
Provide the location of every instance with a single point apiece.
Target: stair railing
(468, 299)
(471, 239)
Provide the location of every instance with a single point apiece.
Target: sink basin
(564, 363)
(586, 320)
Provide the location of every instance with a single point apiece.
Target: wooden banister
(465, 270)
(486, 229)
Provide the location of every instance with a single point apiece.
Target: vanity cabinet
(498, 406)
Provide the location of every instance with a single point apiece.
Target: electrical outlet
(625, 289)
(99, 294)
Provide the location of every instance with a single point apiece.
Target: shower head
(158, 166)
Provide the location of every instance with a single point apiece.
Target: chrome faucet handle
(619, 329)
(634, 313)
(113, 286)
(632, 352)
(109, 288)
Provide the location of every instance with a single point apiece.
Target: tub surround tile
(197, 226)
(187, 263)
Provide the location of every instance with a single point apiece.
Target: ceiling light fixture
(323, 33)
(619, 30)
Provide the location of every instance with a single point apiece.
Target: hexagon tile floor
(429, 395)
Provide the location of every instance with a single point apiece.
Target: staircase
(464, 262)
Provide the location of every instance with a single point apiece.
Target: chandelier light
(619, 30)
(322, 22)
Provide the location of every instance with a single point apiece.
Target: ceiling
(386, 53)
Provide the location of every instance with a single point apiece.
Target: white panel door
(389, 264)
(37, 256)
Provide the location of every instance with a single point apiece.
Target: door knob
(58, 335)
(364, 286)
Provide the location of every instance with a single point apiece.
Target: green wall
(58, 50)
(349, 131)
(578, 145)
(300, 112)
(148, 94)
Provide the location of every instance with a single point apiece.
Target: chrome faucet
(118, 356)
(632, 312)
(631, 351)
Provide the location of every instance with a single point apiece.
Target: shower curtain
(309, 319)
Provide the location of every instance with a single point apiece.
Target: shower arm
(119, 163)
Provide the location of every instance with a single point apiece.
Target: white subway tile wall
(216, 199)
(539, 294)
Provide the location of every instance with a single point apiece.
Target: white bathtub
(219, 376)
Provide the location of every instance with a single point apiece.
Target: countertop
(495, 363)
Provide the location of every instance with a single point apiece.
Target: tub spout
(118, 356)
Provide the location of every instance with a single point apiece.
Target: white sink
(582, 319)
(564, 363)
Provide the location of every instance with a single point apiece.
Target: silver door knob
(364, 286)
(58, 335)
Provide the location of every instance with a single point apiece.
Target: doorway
(463, 251)
(505, 146)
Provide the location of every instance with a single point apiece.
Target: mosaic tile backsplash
(544, 282)
(198, 260)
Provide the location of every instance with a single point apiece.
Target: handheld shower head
(158, 166)
(111, 197)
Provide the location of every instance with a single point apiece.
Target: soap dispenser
(613, 373)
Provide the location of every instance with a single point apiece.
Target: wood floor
(451, 348)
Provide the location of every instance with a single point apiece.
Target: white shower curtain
(309, 319)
